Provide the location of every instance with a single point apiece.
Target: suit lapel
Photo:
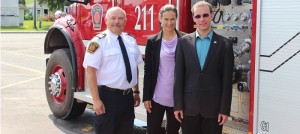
(157, 46)
(211, 50)
(193, 48)
(179, 34)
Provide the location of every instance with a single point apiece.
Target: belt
(114, 90)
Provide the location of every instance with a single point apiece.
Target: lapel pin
(215, 42)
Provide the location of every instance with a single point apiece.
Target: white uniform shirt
(108, 60)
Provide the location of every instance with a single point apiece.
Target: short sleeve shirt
(108, 60)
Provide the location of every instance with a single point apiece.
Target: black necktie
(126, 60)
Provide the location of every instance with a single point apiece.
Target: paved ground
(24, 107)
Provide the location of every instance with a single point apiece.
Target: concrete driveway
(24, 107)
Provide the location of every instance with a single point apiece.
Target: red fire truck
(266, 97)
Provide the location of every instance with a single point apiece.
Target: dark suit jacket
(206, 91)
(152, 57)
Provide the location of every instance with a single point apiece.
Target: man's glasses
(203, 15)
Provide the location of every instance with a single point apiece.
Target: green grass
(29, 1)
(28, 26)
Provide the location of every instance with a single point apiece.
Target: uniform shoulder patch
(93, 46)
(130, 35)
(101, 35)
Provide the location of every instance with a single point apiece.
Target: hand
(222, 118)
(137, 99)
(98, 107)
(178, 115)
(148, 106)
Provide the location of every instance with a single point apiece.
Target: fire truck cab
(266, 40)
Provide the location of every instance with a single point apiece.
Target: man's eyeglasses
(203, 15)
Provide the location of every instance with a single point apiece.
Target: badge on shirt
(93, 46)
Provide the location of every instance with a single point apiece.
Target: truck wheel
(58, 79)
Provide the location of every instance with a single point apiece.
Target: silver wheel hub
(55, 84)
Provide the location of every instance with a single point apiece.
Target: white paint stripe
(25, 54)
(25, 68)
(21, 82)
(23, 50)
(23, 98)
(18, 74)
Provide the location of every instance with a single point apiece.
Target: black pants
(200, 125)
(119, 113)
(154, 119)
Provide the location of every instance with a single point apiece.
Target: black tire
(58, 78)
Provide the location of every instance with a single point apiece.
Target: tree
(22, 2)
(54, 5)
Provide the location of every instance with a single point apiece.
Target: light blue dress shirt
(202, 47)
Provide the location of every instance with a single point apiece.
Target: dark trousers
(200, 125)
(119, 113)
(154, 119)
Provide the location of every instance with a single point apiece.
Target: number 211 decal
(144, 11)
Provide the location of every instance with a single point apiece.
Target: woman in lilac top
(159, 73)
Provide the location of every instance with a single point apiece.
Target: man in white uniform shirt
(112, 60)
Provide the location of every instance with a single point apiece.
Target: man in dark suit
(203, 75)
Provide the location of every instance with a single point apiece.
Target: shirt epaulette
(130, 35)
(101, 35)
